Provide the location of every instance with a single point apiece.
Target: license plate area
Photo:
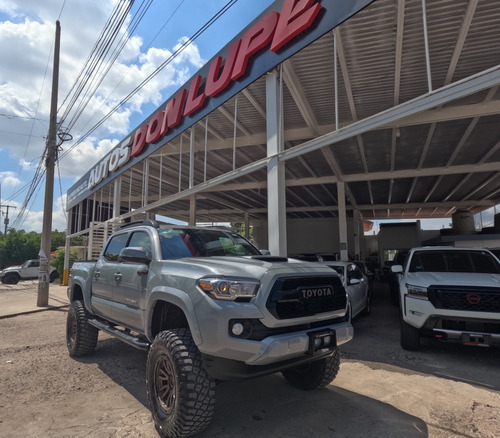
(476, 339)
(321, 341)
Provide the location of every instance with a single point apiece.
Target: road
(381, 390)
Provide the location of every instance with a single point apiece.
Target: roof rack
(145, 222)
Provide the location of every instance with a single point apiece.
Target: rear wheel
(181, 394)
(81, 337)
(11, 278)
(314, 374)
(410, 336)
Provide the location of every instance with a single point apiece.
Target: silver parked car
(356, 285)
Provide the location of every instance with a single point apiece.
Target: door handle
(143, 272)
(118, 276)
(97, 274)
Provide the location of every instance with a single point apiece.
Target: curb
(27, 312)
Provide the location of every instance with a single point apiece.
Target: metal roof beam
(457, 90)
(297, 91)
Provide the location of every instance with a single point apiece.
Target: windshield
(338, 268)
(454, 261)
(192, 242)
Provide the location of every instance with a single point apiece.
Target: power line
(152, 75)
(90, 68)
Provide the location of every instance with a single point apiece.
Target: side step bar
(120, 334)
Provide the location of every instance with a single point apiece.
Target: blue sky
(27, 31)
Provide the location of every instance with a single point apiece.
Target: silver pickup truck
(208, 306)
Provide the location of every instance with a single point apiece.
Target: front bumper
(274, 354)
(467, 327)
(290, 345)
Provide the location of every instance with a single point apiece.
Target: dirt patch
(381, 390)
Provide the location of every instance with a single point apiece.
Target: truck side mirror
(265, 252)
(396, 269)
(135, 254)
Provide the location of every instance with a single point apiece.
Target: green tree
(58, 261)
(239, 227)
(18, 246)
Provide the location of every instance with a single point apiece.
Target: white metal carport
(392, 114)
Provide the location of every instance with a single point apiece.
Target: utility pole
(50, 159)
(6, 220)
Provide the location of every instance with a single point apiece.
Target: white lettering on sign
(110, 163)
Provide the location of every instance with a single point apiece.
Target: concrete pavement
(21, 298)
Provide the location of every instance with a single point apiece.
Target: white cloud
(33, 220)
(27, 39)
(82, 158)
(9, 179)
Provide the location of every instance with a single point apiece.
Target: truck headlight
(417, 292)
(229, 288)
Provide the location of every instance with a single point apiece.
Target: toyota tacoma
(208, 306)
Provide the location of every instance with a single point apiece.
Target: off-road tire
(81, 337)
(181, 394)
(11, 278)
(410, 336)
(314, 374)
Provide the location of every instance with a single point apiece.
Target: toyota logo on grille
(473, 298)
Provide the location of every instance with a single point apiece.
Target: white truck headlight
(229, 288)
(417, 292)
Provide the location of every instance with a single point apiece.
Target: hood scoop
(269, 258)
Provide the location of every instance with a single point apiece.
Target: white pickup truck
(451, 294)
(27, 271)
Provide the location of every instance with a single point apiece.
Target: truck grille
(297, 297)
(477, 299)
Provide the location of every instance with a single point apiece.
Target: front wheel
(81, 337)
(410, 336)
(181, 394)
(314, 374)
(11, 278)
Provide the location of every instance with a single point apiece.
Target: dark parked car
(399, 259)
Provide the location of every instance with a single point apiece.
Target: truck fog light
(237, 329)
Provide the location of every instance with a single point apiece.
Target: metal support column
(117, 190)
(192, 210)
(276, 196)
(357, 234)
(344, 253)
(247, 225)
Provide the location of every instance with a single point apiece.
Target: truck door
(130, 285)
(32, 269)
(103, 279)
(358, 287)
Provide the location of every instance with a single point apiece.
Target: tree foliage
(239, 227)
(18, 246)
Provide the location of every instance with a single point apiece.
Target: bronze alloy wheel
(71, 328)
(166, 389)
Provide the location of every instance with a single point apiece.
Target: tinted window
(354, 272)
(186, 242)
(140, 239)
(115, 245)
(338, 269)
(454, 261)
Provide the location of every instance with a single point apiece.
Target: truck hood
(425, 279)
(12, 268)
(249, 267)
